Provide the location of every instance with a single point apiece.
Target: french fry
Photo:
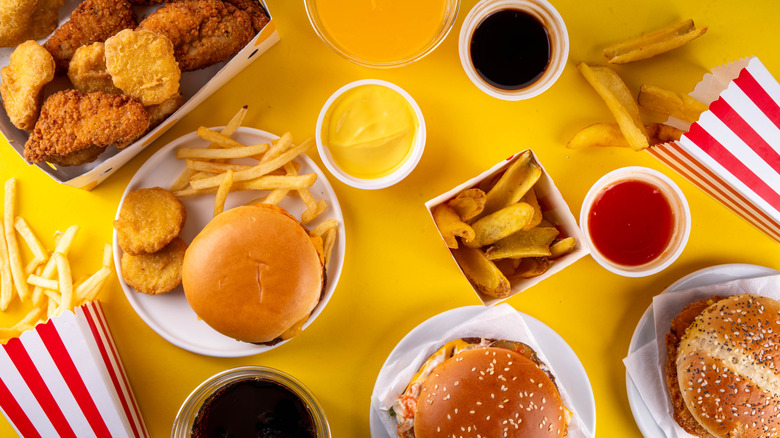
(682, 106)
(654, 43)
(6, 281)
(660, 133)
(39, 252)
(278, 147)
(65, 282)
(521, 175)
(496, 226)
(42, 282)
(481, 272)
(222, 154)
(468, 203)
(216, 168)
(273, 198)
(222, 192)
(184, 178)
(14, 258)
(450, 225)
(220, 140)
(313, 207)
(63, 246)
(108, 256)
(257, 171)
(268, 182)
(324, 227)
(532, 243)
(329, 242)
(598, 135)
(620, 102)
(88, 290)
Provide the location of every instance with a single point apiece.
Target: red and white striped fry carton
(65, 378)
(733, 151)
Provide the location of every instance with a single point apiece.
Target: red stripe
(772, 230)
(32, 378)
(70, 373)
(755, 92)
(714, 149)
(746, 133)
(15, 413)
(106, 359)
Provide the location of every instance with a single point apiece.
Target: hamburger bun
(728, 368)
(253, 273)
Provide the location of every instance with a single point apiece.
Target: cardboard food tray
(195, 85)
(552, 204)
(732, 152)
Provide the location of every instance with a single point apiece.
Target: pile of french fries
(273, 169)
(630, 131)
(500, 235)
(46, 280)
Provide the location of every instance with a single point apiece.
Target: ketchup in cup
(636, 221)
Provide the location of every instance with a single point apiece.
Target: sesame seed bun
(728, 367)
(489, 392)
(253, 273)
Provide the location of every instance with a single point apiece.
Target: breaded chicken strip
(93, 21)
(203, 32)
(74, 127)
(30, 68)
(255, 11)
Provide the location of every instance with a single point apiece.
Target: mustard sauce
(369, 131)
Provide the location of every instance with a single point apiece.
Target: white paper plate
(170, 315)
(645, 330)
(571, 373)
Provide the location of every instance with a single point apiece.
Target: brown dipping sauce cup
(203, 401)
(557, 39)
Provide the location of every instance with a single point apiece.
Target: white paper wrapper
(647, 364)
(499, 322)
(732, 152)
(65, 378)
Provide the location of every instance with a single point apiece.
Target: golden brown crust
(72, 121)
(252, 273)
(93, 21)
(680, 324)
(155, 273)
(203, 32)
(29, 69)
(87, 70)
(728, 367)
(148, 220)
(489, 391)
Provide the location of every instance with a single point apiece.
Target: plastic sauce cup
(681, 219)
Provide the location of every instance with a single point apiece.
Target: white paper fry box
(65, 378)
(554, 208)
(732, 152)
(195, 85)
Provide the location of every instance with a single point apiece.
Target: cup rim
(679, 205)
(418, 146)
(182, 425)
(441, 35)
(553, 22)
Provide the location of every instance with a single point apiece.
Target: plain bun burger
(476, 387)
(253, 274)
(723, 367)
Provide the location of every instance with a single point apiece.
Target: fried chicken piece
(148, 220)
(93, 21)
(30, 68)
(255, 11)
(203, 32)
(158, 113)
(155, 273)
(87, 70)
(22, 20)
(72, 121)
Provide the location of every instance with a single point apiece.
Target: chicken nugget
(142, 64)
(155, 273)
(203, 32)
(158, 113)
(29, 69)
(45, 18)
(87, 70)
(15, 17)
(72, 122)
(148, 220)
(92, 21)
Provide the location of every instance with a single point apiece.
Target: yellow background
(397, 271)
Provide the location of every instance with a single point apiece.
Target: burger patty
(680, 324)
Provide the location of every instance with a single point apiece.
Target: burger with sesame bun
(723, 367)
(482, 388)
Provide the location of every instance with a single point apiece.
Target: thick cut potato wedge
(654, 43)
(609, 135)
(496, 226)
(469, 203)
(620, 102)
(522, 244)
(449, 224)
(482, 273)
(521, 175)
(682, 106)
